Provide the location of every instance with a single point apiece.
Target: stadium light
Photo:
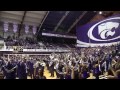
(100, 12)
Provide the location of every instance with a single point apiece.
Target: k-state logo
(106, 28)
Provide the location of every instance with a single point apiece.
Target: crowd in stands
(27, 42)
(31, 43)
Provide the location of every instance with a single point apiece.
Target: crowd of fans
(27, 43)
(89, 63)
(31, 43)
(21, 66)
(83, 63)
(80, 63)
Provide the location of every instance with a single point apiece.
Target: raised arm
(72, 73)
(114, 73)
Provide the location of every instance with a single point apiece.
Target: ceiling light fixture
(100, 12)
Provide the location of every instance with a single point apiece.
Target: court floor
(47, 74)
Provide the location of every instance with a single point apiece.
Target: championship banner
(100, 33)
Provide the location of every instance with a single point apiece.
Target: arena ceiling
(53, 21)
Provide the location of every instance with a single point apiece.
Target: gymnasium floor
(47, 74)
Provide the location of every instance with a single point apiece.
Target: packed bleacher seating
(30, 43)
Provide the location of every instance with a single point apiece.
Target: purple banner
(15, 27)
(104, 32)
(6, 26)
(34, 30)
(26, 29)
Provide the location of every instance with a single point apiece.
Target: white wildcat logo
(104, 29)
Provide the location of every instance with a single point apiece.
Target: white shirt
(43, 64)
(36, 64)
(70, 63)
(99, 68)
(50, 64)
(81, 61)
(56, 66)
(104, 65)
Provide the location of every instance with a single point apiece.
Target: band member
(60, 70)
(22, 70)
(52, 68)
(42, 65)
(55, 67)
(36, 68)
(30, 68)
(9, 71)
(14, 69)
(41, 75)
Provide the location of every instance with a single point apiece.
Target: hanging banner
(26, 29)
(15, 27)
(34, 29)
(6, 26)
(100, 33)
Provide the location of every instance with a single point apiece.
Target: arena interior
(59, 45)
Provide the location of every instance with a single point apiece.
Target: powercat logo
(107, 30)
